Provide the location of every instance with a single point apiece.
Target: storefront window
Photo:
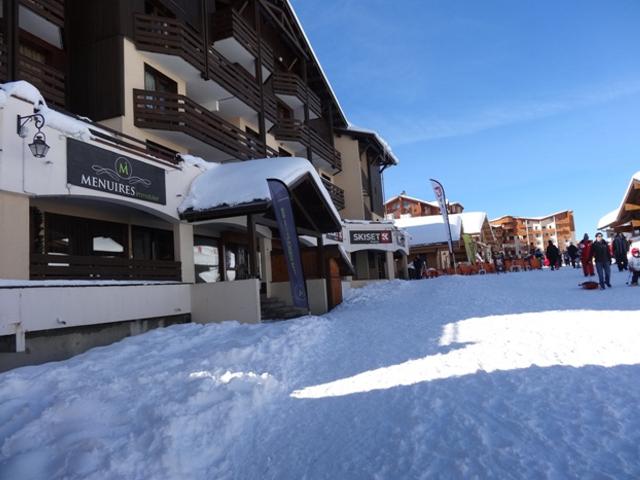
(206, 259)
(152, 244)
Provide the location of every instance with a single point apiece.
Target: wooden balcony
(178, 113)
(229, 23)
(52, 10)
(335, 192)
(49, 80)
(292, 84)
(48, 267)
(296, 131)
(173, 37)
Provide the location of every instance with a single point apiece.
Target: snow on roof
(608, 219)
(315, 59)
(379, 139)
(237, 183)
(472, 222)
(65, 124)
(433, 203)
(542, 217)
(430, 229)
(368, 222)
(612, 216)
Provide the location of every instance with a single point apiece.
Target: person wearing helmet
(634, 266)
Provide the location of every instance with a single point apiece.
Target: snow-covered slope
(514, 376)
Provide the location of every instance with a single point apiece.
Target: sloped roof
(430, 229)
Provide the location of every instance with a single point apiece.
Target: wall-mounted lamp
(38, 147)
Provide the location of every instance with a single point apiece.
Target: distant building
(405, 206)
(518, 234)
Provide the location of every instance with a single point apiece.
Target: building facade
(519, 234)
(403, 205)
(166, 84)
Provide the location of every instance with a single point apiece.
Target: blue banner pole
(281, 203)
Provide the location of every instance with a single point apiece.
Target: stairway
(273, 309)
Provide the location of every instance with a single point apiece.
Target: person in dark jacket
(572, 250)
(600, 253)
(620, 248)
(553, 255)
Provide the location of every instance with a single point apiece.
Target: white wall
(45, 308)
(221, 301)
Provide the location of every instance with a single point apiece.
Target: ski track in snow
(521, 375)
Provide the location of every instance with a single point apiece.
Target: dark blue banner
(281, 203)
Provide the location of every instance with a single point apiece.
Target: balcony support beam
(261, 121)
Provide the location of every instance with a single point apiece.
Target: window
(206, 259)
(157, 82)
(152, 244)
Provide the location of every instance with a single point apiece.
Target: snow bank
(522, 375)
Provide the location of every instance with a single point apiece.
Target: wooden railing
(335, 192)
(52, 10)
(294, 130)
(169, 36)
(174, 37)
(292, 84)
(47, 266)
(229, 23)
(175, 112)
(49, 80)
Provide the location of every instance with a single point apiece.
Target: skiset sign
(369, 237)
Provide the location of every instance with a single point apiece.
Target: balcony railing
(52, 10)
(169, 36)
(49, 80)
(292, 84)
(47, 266)
(335, 192)
(174, 37)
(229, 23)
(293, 130)
(178, 113)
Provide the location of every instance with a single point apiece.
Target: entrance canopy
(240, 188)
(628, 213)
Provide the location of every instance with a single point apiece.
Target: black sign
(369, 237)
(106, 171)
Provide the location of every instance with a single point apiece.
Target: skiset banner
(281, 203)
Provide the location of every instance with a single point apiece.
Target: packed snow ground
(521, 375)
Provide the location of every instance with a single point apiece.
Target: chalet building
(403, 205)
(519, 234)
(126, 195)
(626, 217)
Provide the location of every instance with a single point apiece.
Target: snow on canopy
(65, 124)
(608, 219)
(472, 222)
(430, 229)
(237, 183)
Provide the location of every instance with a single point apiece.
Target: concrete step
(273, 309)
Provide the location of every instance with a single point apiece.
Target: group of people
(602, 254)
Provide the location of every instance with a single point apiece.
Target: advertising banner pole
(438, 190)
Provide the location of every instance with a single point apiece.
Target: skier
(585, 256)
(553, 254)
(634, 266)
(600, 252)
(573, 254)
(620, 249)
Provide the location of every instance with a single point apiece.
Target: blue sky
(520, 108)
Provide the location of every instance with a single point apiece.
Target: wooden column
(322, 264)
(205, 37)
(261, 120)
(306, 108)
(10, 13)
(253, 246)
(222, 260)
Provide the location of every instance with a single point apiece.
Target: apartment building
(403, 205)
(519, 234)
(167, 84)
